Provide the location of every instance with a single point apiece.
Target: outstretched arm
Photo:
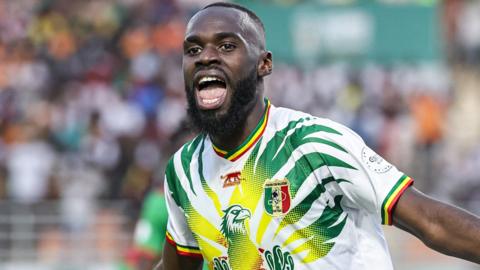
(445, 228)
(171, 260)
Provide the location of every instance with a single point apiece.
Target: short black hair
(249, 12)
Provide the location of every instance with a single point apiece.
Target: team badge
(232, 179)
(277, 196)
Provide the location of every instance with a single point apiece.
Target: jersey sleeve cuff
(392, 197)
(184, 250)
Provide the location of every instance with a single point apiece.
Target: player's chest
(257, 209)
(253, 195)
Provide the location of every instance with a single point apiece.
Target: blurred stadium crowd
(91, 91)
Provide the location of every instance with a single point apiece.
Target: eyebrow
(220, 35)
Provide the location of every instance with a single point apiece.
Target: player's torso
(274, 207)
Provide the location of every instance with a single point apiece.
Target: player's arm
(440, 226)
(171, 260)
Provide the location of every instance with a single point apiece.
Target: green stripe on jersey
(186, 157)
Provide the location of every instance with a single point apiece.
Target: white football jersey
(301, 192)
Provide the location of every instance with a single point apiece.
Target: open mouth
(211, 92)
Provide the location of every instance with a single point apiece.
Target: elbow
(434, 237)
(432, 241)
(449, 243)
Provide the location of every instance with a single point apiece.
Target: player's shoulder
(290, 119)
(186, 151)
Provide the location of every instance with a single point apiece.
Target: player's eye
(193, 50)
(228, 47)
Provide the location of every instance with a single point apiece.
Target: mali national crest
(277, 196)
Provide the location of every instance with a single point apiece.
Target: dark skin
(442, 227)
(215, 41)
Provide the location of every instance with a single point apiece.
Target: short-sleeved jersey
(300, 193)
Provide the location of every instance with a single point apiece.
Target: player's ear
(265, 64)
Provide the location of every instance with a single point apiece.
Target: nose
(208, 56)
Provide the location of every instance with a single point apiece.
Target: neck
(230, 142)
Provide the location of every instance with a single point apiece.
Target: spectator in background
(469, 31)
(149, 236)
(30, 159)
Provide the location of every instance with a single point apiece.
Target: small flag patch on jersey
(277, 196)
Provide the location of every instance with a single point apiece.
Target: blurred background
(92, 91)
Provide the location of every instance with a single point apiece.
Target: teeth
(209, 79)
(210, 101)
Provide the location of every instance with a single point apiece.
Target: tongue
(211, 98)
(212, 93)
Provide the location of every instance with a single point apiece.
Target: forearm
(445, 228)
(454, 232)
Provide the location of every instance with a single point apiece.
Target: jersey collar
(254, 136)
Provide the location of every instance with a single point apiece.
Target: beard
(211, 123)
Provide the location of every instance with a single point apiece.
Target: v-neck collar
(254, 136)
